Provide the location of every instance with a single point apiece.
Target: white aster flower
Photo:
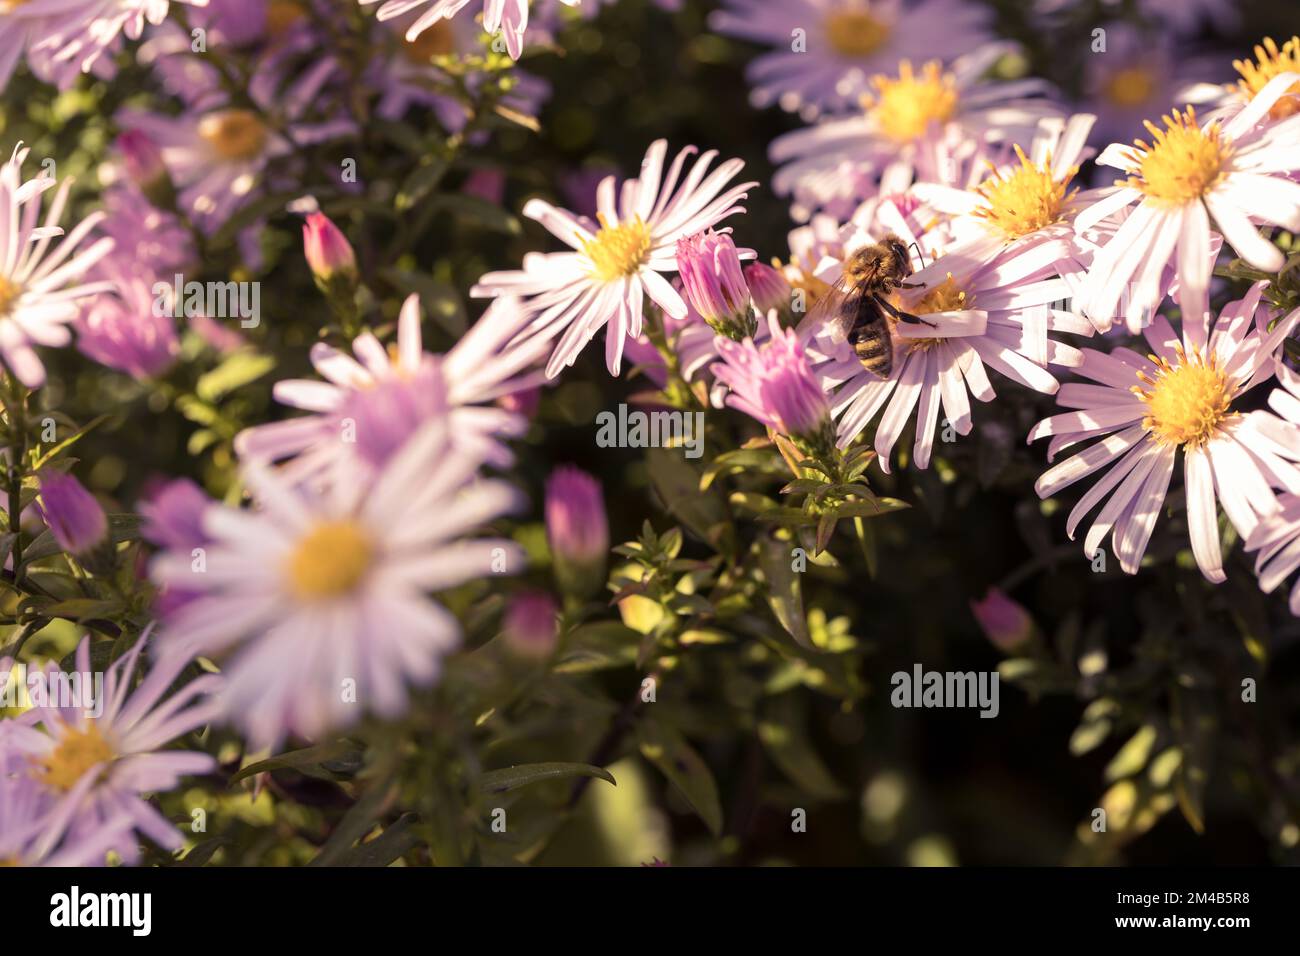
(1235, 175)
(1183, 397)
(314, 592)
(619, 260)
(40, 288)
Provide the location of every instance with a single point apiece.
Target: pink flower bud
(530, 627)
(577, 529)
(768, 287)
(145, 167)
(72, 514)
(714, 284)
(327, 249)
(1004, 622)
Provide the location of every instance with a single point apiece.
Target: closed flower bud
(768, 287)
(714, 284)
(327, 250)
(530, 625)
(1004, 622)
(76, 520)
(173, 517)
(577, 530)
(144, 165)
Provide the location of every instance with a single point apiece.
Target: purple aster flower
(125, 331)
(775, 384)
(99, 768)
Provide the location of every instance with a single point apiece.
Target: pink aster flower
(1234, 176)
(775, 385)
(40, 287)
(908, 124)
(368, 406)
(618, 260)
(317, 603)
(124, 330)
(826, 51)
(33, 834)
(577, 529)
(100, 767)
(145, 239)
(217, 155)
(62, 37)
(985, 313)
(509, 18)
(1144, 410)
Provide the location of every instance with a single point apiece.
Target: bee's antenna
(920, 255)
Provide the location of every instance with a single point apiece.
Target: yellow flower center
(438, 40)
(1131, 86)
(234, 134)
(330, 561)
(7, 5)
(945, 297)
(9, 293)
(1187, 402)
(281, 15)
(1026, 199)
(618, 251)
(1269, 62)
(1183, 163)
(855, 33)
(906, 107)
(78, 751)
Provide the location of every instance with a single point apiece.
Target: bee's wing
(828, 319)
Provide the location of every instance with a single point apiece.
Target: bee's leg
(904, 316)
(911, 285)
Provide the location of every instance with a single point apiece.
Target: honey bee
(857, 307)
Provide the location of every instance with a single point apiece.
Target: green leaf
(522, 775)
(422, 181)
(356, 823)
(677, 484)
(439, 300)
(762, 460)
(480, 212)
(597, 646)
(684, 768)
(392, 844)
(784, 590)
(786, 742)
(236, 371)
(300, 760)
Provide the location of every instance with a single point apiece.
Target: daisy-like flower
(1270, 61)
(509, 18)
(405, 77)
(318, 604)
(618, 260)
(1141, 74)
(825, 51)
(32, 834)
(125, 331)
(217, 155)
(982, 314)
(1234, 175)
(907, 123)
(41, 288)
(1277, 537)
(368, 406)
(99, 768)
(78, 32)
(1182, 397)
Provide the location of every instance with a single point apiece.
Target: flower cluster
(282, 512)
